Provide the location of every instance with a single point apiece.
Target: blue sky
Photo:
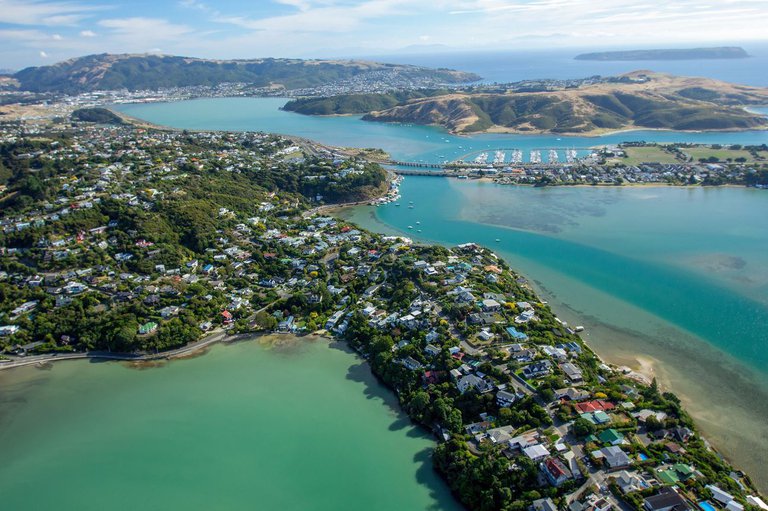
(37, 32)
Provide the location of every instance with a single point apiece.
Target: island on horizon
(719, 52)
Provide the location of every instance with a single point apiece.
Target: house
(719, 495)
(555, 471)
(675, 474)
(505, 399)
(485, 335)
(527, 439)
(594, 406)
(536, 452)
(148, 328)
(614, 457)
(490, 305)
(630, 481)
(169, 311)
(412, 364)
(572, 394)
(287, 325)
(537, 369)
(666, 500)
(432, 350)
(543, 505)
(516, 334)
(611, 436)
(596, 417)
(8, 330)
(472, 381)
(500, 435)
(572, 372)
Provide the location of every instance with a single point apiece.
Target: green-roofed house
(601, 417)
(147, 328)
(591, 438)
(684, 472)
(611, 436)
(668, 477)
(675, 474)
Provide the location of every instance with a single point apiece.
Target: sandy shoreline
(679, 368)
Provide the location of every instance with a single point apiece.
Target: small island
(720, 52)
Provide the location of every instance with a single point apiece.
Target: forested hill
(139, 72)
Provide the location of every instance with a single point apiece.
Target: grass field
(721, 154)
(638, 155)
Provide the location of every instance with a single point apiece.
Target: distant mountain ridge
(138, 72)
(720, 52)
(638, 100)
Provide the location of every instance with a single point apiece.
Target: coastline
(677, 371)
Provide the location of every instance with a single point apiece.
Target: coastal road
(216, 335)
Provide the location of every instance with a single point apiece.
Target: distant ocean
(512, 66)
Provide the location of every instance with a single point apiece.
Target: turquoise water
(298, 427)
(403, 142)
(638, 244)
(671, 276)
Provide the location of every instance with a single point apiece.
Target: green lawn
(721, 154)
(638, 155)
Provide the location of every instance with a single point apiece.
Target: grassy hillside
(636, 100)
(355, 103)
(110, 72)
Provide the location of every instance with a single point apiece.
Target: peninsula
(720, 52)
(637, 100)
(142, 240)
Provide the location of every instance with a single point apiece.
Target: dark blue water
(503, 67)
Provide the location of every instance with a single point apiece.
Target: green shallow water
(298, 427)
(678, 277)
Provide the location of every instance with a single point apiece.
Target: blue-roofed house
(516, 334)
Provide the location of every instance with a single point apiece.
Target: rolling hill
(636, 100)
(140, 72)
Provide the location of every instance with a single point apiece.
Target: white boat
(410, 227)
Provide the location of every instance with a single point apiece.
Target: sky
(40, 32)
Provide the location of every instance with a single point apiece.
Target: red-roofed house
(556, 471)
(597, 405)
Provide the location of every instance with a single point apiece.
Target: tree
(582, 427)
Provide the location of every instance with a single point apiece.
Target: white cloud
(43, 54)
(57, 37)
(87, 33)
(49, 13)
(149, 28)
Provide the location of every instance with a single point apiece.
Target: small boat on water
(497, 240)
(579, 328)
(410, 227)
(398, 205)
(418, 222)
